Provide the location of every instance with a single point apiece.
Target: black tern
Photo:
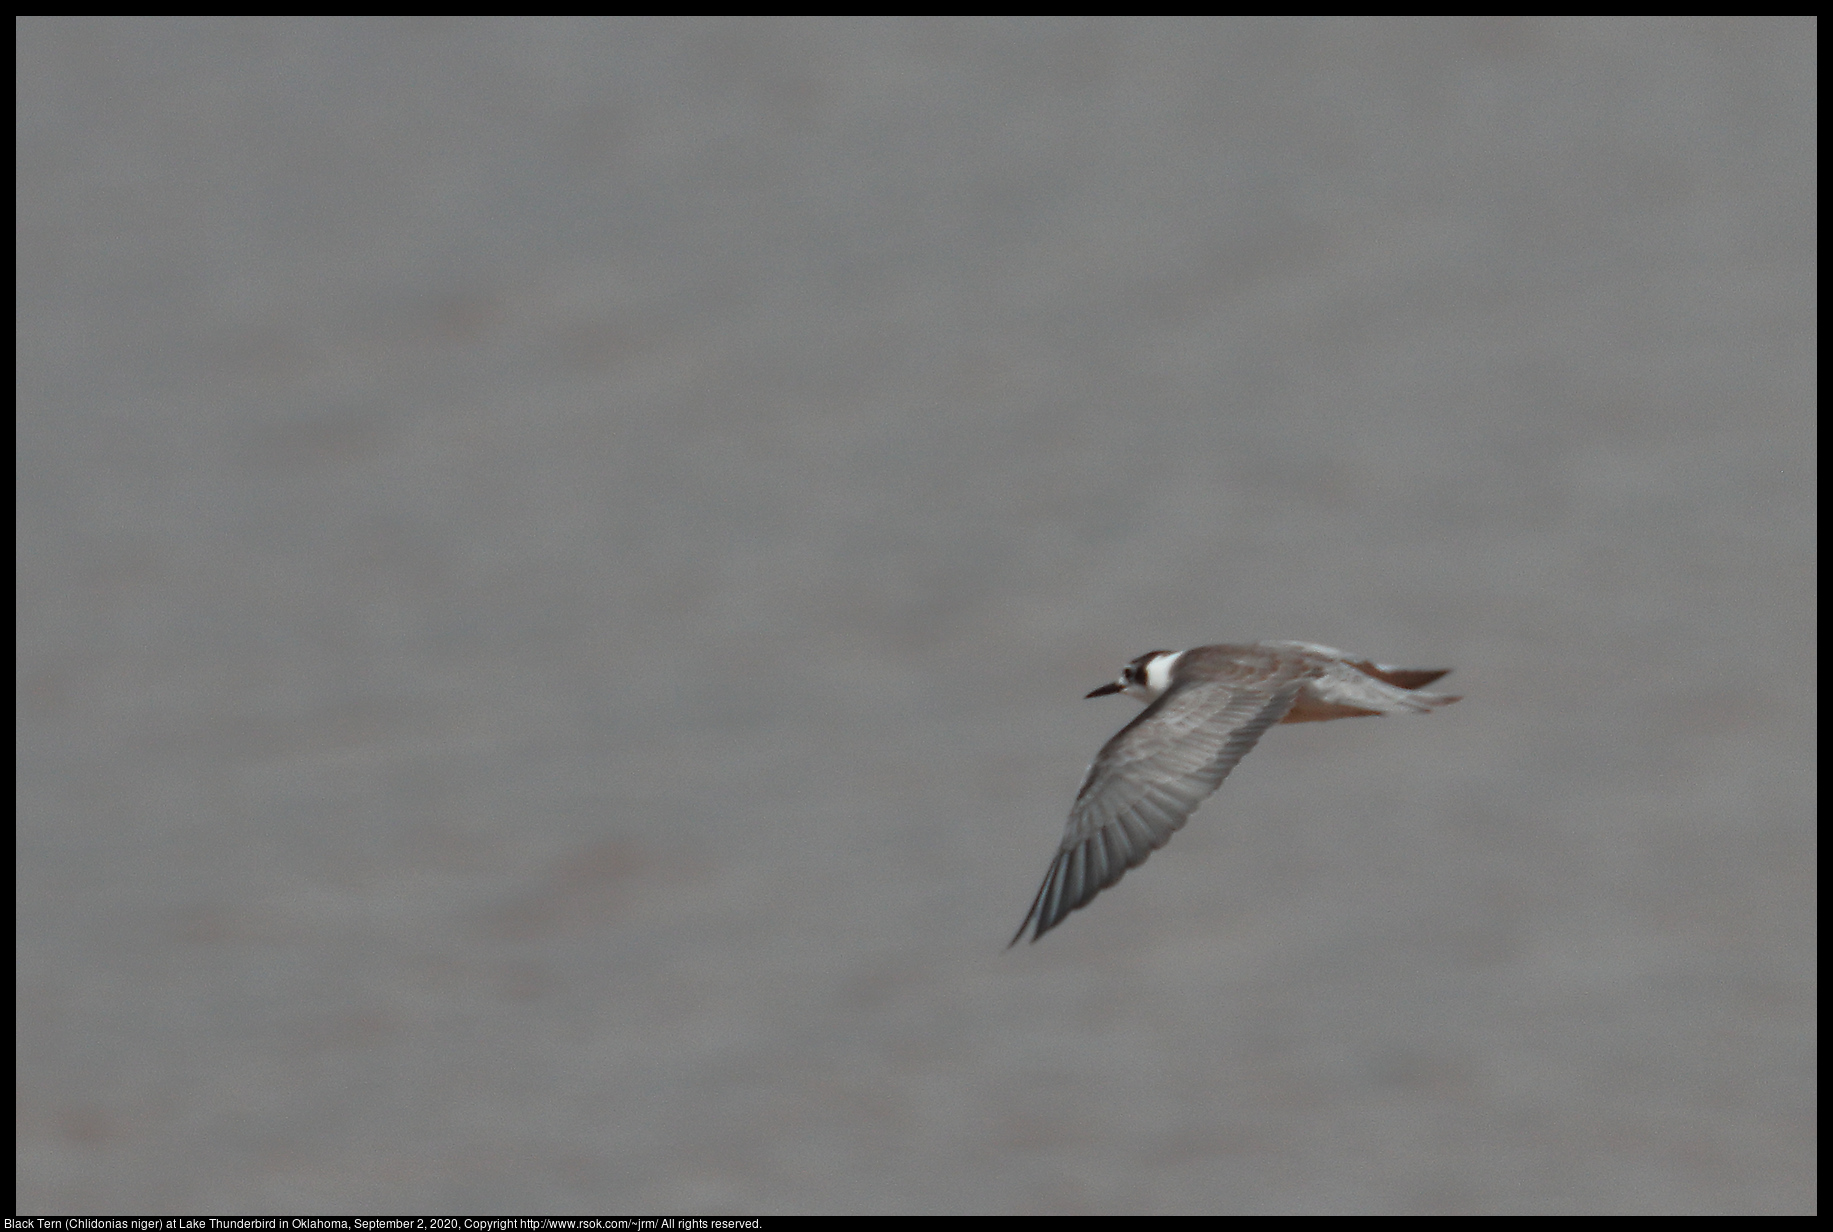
(1205, 709)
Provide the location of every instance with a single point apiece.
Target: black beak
(1112, 686)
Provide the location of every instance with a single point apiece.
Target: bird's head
(1145, 678)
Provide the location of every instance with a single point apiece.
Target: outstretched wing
(1147, 781)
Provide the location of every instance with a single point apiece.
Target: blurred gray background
(558, 563)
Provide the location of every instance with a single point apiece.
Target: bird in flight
(1205, 709)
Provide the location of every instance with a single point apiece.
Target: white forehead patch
(1158, 672)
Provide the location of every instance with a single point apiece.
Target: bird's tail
(1404, 677)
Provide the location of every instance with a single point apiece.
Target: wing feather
(1147, 781)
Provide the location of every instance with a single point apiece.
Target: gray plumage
(1207, 708)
